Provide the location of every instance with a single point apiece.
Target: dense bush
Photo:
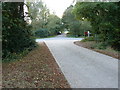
(104, 18)
(88, 39)
(75, 27)
(42, 33)
(16, 33)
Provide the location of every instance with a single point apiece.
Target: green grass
(88, 39)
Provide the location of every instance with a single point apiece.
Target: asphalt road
(83, 68)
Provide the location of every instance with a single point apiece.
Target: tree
(53, 24)
(76, 27)
(104, 18)
(39, 13)
(16, 33)
(43, 20)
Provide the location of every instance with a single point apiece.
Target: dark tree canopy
(16, 33)
(104, 18)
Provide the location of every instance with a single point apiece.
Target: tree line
(102, 19)
(75, 27)
(43, 22)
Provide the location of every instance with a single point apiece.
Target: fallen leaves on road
(36, 70)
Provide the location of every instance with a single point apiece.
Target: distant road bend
(83, 68)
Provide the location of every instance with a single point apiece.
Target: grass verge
(37, 69)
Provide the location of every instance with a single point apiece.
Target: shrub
(16, 33)
(88, 39)
(42, 33)
(100, 45)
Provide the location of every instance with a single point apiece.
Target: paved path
(83, 68)
(59, 37)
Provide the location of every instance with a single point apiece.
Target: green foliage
(104, 18)
(15, 56)
(39, 14)
(88, 39)
(43, 20)
(85, 26)
(16, 33)
(69, 21)
(100, 45)
(52, 27)
(54, 24)
(76, 27)
(42, 33)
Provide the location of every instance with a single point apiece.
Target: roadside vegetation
(20, 28)
(44, 24)
(100, 47)
(17, 36)
(75, 27)
(104, 18)
(101, 19)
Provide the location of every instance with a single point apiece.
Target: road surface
(83, 68)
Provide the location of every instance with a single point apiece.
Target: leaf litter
(38, 69)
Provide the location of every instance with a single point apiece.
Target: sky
(58, 6)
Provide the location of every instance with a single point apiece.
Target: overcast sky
(58, 6)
